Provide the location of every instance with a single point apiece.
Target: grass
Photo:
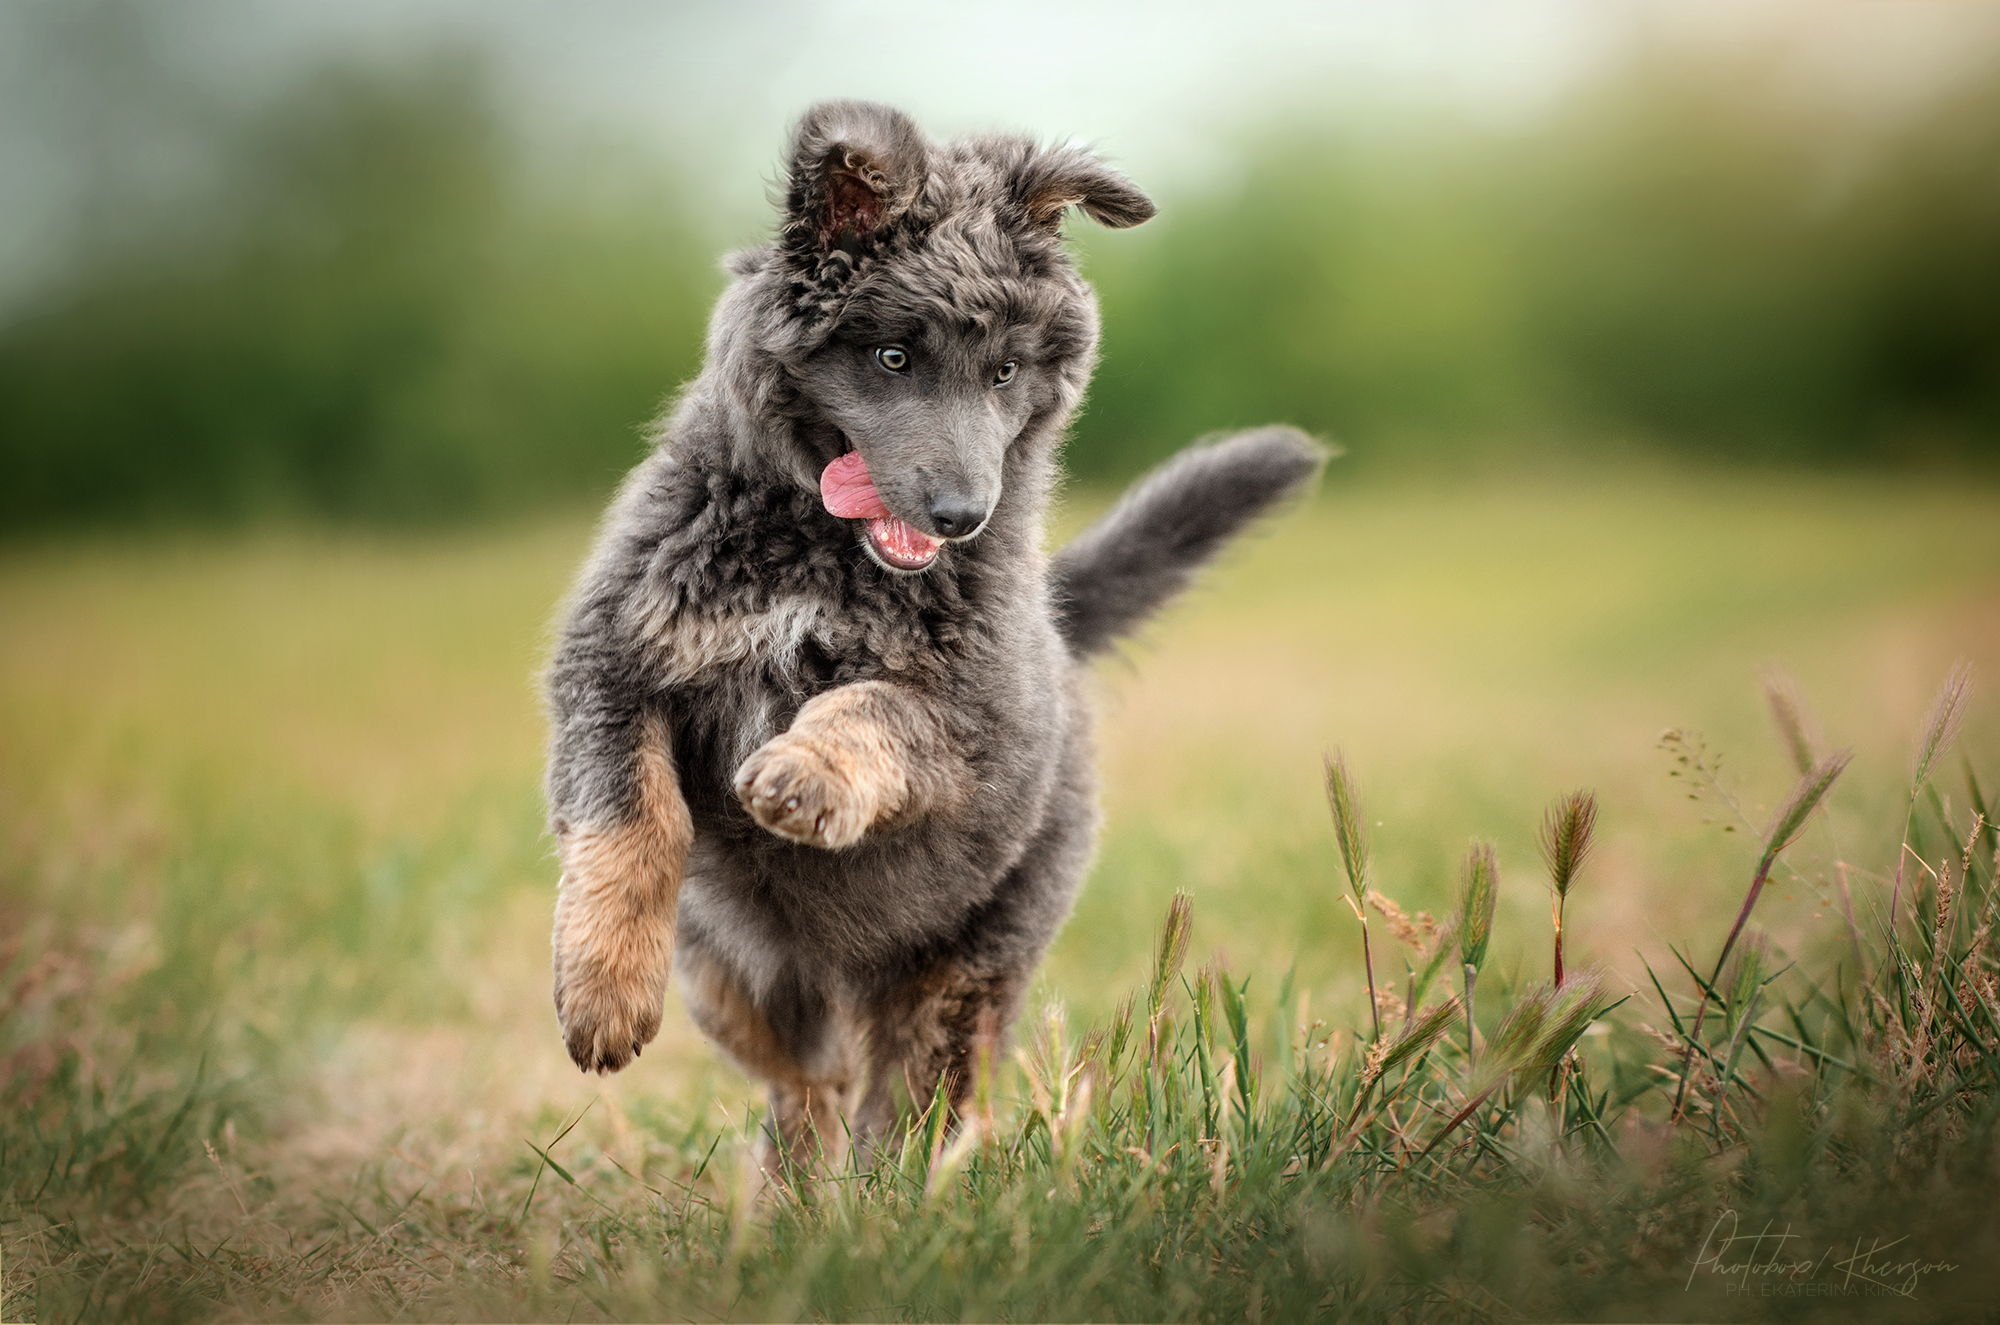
(273, 902)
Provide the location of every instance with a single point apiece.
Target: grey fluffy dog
(819, 738)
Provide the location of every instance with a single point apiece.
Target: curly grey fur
(722, 596)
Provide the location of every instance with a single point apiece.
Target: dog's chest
(800, 644)
(703, 642)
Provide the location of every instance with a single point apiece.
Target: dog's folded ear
(1052, 180)
(855, 167)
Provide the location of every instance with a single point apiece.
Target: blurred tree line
(386, 314)
(389, 311)
(1686, 258)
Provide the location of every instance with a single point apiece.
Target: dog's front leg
(861, 756)
(615, 912)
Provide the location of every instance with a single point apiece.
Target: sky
(114, 94)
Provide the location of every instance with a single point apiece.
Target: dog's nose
(953, 516)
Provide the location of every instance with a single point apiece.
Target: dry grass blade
(1941, 724)
(1345, 803)
(1792, 716)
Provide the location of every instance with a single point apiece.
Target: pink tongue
(847, 490)
(850, 494)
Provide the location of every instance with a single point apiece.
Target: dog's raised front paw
(801, 789)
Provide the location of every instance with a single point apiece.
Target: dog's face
(934, 319)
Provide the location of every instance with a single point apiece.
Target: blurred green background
(383, 283)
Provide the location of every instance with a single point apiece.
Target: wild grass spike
(1538, 1031)
(1171, 950)
(1168, 955)
(1792, 716)
(1785, 827)
(1565, 841)
(1806, 795)
(1940, 729)
(1416, 1038)
(1941, 724)
(1345, 803)
(1479, 891)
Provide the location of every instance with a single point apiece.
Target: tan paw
(610, 984)
(801, 789)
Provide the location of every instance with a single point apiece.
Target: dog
(819, 738)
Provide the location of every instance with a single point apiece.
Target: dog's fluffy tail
(1120, 570)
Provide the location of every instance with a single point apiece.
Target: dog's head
(923, 312)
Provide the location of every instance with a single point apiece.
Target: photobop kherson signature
(1773, 1262)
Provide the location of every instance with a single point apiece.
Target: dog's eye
(893, 357)
(1006, 373)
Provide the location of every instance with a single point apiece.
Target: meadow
(275, 1036)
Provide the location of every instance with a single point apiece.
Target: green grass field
(274, 892)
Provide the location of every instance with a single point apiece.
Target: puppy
(819, 735)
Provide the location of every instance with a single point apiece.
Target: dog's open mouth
(850, 494)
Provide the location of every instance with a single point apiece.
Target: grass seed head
(1513, 1042)
(1172, 949)
(1540, 1028)
(1793, 717)
(1385, 1056)
(1345, 803)
(1566, 837)
(1480, 890)
(1577, 1004)
(1798, 807)
(1417, 932)
(1119, 1039)
(1941, 724)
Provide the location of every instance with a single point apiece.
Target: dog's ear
(855, 167)
(1055, 179)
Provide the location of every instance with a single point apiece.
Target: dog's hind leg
(928, 1030)
(615, 910)
(865, 755)
(807, 1131)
